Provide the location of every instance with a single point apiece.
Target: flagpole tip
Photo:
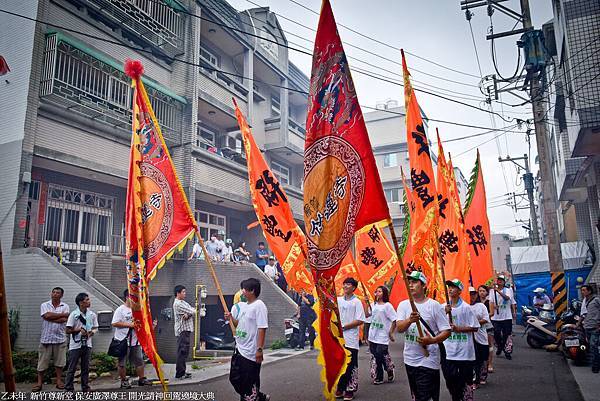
(134, 68)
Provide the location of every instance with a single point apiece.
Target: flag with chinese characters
(342, 190)
(477, 228)
(274, 214)
(376, 260)
(348, 269)
(424, 217)
(158, 219)
(451, 233)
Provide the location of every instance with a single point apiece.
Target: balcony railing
(97, 89)
(152, 21)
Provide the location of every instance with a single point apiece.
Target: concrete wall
(30, 275)
(500, 249)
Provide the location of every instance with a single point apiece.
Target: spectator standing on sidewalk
(306, 318)
(184, 326)
(591, 324)
(503, 309)
(53, 341)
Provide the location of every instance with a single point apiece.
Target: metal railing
(79, 82)
(150, 20)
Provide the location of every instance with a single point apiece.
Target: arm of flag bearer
(158, 217)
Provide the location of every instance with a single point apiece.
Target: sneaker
(498, 352)
(339, 394)
(348, 396)
(390, 376)
(312, 347)
(144, 382)
(508, 356)
(299, 348)
(185, 376)
(377, 382)
(483, 382)
(125, 384)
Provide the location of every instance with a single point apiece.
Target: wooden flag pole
(405, 277)
(442, 271)
(215, 279)
(7, 362)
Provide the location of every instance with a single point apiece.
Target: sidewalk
(201, 370)
(588, 382)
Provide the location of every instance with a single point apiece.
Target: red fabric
(4, 69)
(342, 190)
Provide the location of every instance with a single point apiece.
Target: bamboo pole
(443, 272)
(7, 362)
(405, 277)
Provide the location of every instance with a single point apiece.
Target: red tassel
(134, 68)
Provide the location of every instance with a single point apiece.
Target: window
(390, 160)
(275, 106)
(392, 194)
(205, 136)
(209, 57)
(281, 171)
(210, 224)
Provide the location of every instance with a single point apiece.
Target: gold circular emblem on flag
(333, 194)
(157, 208)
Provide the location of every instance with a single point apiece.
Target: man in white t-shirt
(503, 309)
(271, 269)
(82, 324)
(251, 323)
(352, 316)
(124, 326)
(460, 348)
(423, 370)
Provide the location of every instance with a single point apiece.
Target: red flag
(342, 190)
(477, 228)
(4, 69)
(158, 219)
(275, 215)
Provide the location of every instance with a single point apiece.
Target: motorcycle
(545, 313)
(574, 343)
(222, 340)
(539, 333)
(292, 331)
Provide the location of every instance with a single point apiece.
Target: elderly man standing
(53, 341)
(184, 327)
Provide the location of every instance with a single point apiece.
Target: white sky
(436, 30)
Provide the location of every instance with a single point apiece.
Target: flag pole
(443, 272)
(405, 278)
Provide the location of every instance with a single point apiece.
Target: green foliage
(14, 317)
(103, 362)
(25, 365)
(278, 344)
(472, 184)
(195, 367)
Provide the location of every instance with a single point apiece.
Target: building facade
(64, 151)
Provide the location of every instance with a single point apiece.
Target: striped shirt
(52, 332)
(180, 309)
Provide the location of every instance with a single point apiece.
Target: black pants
(244, 376)
(380, 361)
(459, 378)
(183, 350)
(349, 380)
(75, 356)
(482, 353)
(424, 383)
(303, 324)
(502, 330)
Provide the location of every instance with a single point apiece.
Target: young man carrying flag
(423, 370)
(460, 348)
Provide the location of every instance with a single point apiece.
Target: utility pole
(528, 180)
(5, 351)
(550, 203)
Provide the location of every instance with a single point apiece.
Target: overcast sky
(436, 30)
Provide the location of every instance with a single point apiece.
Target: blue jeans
(594, 344)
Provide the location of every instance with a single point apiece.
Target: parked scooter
(292, 331)
(539, 333)
(222, 340)
(573, 339)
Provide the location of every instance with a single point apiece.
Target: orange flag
(424, 217)
(158, 219)
(274, 214)
(451, 233)
(342, 190)
(348, 269)
(376, 260)
(477, 228)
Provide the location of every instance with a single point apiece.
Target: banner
(477, 228)
(274, 214)
(424, 217)
(348, 269)
(342, 190)
(158, 219)
(451, 234)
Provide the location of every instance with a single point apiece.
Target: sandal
(36, 388)
(60, 386)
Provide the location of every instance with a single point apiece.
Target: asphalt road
(531, 375)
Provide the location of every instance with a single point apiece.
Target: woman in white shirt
(381, 332)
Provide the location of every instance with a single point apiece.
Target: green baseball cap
(455, 283)
(418, 276)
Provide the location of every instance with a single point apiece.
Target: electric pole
(528, 181)
(530, 40)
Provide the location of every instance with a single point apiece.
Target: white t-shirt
(197, 252)
(271, 271)
(251, 317)
(481, 312)
(351, 310)
(123, 314)
(382, 316)
(74, 322)
(433, 313)
(502, 307)
(459, 346)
